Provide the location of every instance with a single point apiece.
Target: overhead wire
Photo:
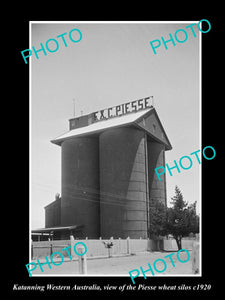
(95, 195)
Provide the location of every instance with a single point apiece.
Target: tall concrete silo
(156, 158)
(108, 172)
(123, 183)
(80, 184)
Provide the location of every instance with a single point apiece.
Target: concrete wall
(80, 185)
(122, 183)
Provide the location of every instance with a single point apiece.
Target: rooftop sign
(122, 109)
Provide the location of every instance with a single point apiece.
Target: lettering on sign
(122, 109)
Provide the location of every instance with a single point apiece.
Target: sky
(112, 64)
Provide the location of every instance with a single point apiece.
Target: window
(154, 127)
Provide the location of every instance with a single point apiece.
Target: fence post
(111, 248)
(128, 246)
(195, 257)
(32, 251)
(72, 244)
(82, 260)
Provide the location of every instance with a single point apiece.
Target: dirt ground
(122, 265)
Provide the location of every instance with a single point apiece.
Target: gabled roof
(146, 120)
(151, 123)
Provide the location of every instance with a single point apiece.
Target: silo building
(108, 172)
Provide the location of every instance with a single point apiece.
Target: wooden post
(128, 246)
(32, 251)
(111, 249)
(82, 260)
(195, 258)
(72, 244)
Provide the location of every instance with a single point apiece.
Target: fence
(96, 248)
(46, 248)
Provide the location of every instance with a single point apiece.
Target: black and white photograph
(113, 126)
(118, 199)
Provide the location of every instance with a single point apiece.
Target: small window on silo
(154, 127)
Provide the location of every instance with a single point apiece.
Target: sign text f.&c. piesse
(123, 109)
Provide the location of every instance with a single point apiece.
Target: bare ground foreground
(121, 265)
